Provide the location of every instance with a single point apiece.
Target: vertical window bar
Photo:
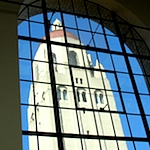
(71, 74)
(35, 112)
(52, 76)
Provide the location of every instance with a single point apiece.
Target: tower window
(78, 96)
(84, 97)
(43, 95)
(87, 132)
(54, 57)
(65, 95)
(81, 81)
(76, 80)
(96, 99)
(101, 98)
(72, 58)
(58, 94)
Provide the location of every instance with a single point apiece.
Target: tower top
(57, 25)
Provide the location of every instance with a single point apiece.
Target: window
(72, 58)
(76, 80)
(109, 67)
(84, 97)
(55, 61)
(43, 95)
(78, 96)
(54, 57)
(96, 99)
(65, 95)
(81, 81)
(58, 94)
(101, 98)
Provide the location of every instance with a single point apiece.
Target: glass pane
(105, 60)
(136, 126)
(65, 96)
(125, 82)
(112, 80)
(86, 38)
(72, 142)
(69, 20)
(104, 124)
(25, 142)
(42, 93)
(114, 43)
(24, 49)
(145, 99)
(24, 92)
(100, 41)
(118, 101)
(37, 30)
(25, 119)
(68, 119)
(123, 145)
(23, 29)
(135, 65)
(141, 85)
(25, 70)
(119, 62)
(130, 103)
(87, 122)
(62, 75)
(142, 145)
(47, 143)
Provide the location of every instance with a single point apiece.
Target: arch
(72, 58)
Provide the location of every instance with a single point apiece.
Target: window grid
(59, 131)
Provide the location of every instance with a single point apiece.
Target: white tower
(89, 94)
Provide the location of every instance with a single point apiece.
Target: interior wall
(10, 125)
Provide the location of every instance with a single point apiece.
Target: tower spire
(57, 25)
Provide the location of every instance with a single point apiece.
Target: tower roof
(60, 33)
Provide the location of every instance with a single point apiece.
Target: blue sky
(131, 106)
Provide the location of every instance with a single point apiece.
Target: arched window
(84, 97)
(96, 99)
(54, 57)
(65, 97)
(54, 61)
(101, 98)
(58, 94)
(78, 96)
(72, 58)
